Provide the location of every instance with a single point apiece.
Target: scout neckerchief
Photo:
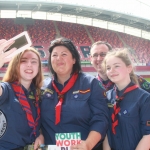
(26, 106)
(116, 106)
(106, 87)
(68, 86)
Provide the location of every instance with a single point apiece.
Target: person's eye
(103, 55)
(54, 55)
(64, 54)
(95, 55)
(23, 61)
(34, 62)
(108, 68)
(117, 66)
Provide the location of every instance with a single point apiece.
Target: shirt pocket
(130, 116)
(47, 102)
(16, 107)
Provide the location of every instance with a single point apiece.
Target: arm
(144, 143)
(106, 144)
(39, 140)
(4, 45)
(1, 90)
(144, 84)
(99, 120)
(92, 139)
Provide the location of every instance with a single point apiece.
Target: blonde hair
(13, 72)
(123, 54)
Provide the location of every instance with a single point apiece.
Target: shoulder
(5, 85)
(144, 84)
(86, 77)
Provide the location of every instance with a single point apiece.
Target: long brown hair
(13, 72)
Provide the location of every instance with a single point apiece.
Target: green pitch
(148, 79)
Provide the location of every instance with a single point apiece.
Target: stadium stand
(44, 31)
(140, 47)
(9, 29)
(105, 35)
(75, 32)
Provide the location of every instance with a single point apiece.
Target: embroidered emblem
(83, 92)
(3, 124)
(146, 85)
(16, 100)
(101, 85)
(48, 94)
(110, 105)
(148, 123)
(48, 91)
(76, 96)
(31, 97)
(104, 93)
(75, 92)
(125, 112)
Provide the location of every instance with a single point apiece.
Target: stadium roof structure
(127, 16)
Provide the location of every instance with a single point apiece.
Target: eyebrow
(114, 64)
(27, 58)
(61, 52)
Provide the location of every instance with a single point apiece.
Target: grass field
(148, 79)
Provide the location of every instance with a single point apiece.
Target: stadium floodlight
(8, 14)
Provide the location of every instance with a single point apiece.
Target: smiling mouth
(28, 71)
(114, 75)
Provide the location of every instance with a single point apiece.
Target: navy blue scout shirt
(81, 111)
(145, 85)
(134, 118)
(14, 129)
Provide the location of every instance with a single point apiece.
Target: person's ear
(130, 68)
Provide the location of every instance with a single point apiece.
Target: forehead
(99, 48)
(113, 60)
(29, 55)
(59, 49)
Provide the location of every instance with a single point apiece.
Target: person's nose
(111, 69)
(29, 63)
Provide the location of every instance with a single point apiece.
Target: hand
(39, 140)
(82, 146)
(4, 45)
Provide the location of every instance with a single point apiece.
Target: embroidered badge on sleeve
(148, 123)
(3, 124)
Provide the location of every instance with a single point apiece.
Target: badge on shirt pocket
(81, 94)
(110, 105)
